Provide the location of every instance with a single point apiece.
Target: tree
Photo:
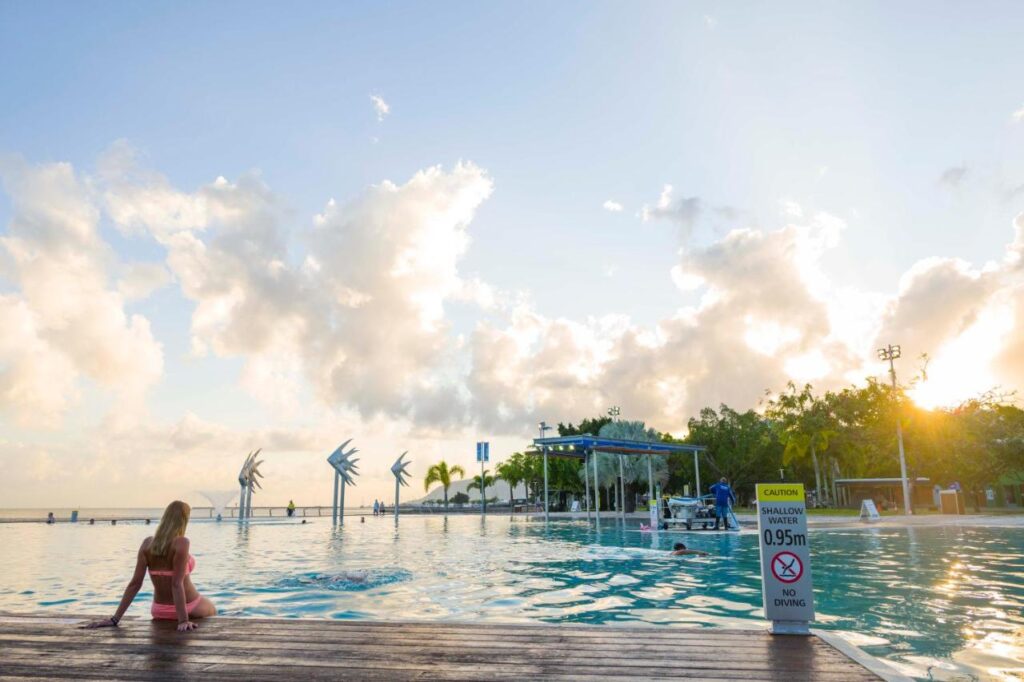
(805, 425)
(512, 471)
(459, 498)
(442, 473)
(587, 426)
(741, 446)
(481, 482)
(634, 467)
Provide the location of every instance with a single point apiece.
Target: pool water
(939, 602)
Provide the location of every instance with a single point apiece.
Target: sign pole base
(790, 627)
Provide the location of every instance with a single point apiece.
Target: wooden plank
(328, 641)
(707, 640)
(383, 655)
(257, 649)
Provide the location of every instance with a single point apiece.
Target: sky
(249, 225)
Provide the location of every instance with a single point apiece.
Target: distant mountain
(499, 490)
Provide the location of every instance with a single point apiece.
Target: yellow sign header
(780, 492)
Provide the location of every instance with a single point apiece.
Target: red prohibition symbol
(787, 567)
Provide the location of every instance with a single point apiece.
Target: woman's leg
(204, 609)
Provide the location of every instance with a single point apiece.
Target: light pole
(892, 353)
(614, 413)
(544, 427)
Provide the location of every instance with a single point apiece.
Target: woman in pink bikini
(167, 557)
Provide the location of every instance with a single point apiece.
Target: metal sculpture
(398, 469)
(345, 471)
(247, 481)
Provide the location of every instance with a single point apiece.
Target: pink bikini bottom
(169, 612)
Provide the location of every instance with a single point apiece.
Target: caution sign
(785, 557)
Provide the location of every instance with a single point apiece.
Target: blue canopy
(582, 445)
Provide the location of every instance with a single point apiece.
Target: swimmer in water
(348, 578)
(680, 550)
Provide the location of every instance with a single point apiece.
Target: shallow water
(939, 602)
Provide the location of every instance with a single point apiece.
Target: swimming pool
(943, 601)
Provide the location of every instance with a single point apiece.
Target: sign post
(483, 455)
(785, 557)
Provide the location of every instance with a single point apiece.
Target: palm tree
(442, 473)
(488, 480)
(805, 424)
(511, 471)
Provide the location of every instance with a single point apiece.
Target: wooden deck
(256, 649)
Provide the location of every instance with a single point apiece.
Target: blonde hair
(172, 525)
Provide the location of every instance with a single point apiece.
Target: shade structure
(585, 445)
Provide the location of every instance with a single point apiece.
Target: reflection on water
(347, 581)
(939, 602)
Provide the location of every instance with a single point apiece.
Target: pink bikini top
(191, 567)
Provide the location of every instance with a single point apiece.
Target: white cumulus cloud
(64, 318)
(381, 107)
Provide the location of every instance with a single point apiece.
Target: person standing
(724, 499)
(376, 507)
(291, 508)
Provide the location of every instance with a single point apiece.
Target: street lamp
(892, 353)
(543, 426)
(614, 412)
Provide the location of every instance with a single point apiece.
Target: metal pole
(597, 489)
(622, 489)
(396, 498)
(546, 511)
(586, 484)
(696, 469)
(899, 439)
(334, 499)
(483, 495)
(650, 479)
(241, 500)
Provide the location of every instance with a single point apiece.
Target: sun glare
(963, 367)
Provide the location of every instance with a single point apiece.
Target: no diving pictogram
(787, 567)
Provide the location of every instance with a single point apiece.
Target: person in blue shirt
(723, 500)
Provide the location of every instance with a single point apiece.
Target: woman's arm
(134, 585)
(181, 549)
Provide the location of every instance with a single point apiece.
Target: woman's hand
(187, 625)
(106, 623)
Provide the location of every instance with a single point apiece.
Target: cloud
(1018, 115)
(351, 310)
(140, 280)
(360, 320)
(953, 176)
(381, 107)
(683, 212)
(730, 348)
(64, 318)
(613, 206)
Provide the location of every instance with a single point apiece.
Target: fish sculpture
(345, 471)
(401, 476)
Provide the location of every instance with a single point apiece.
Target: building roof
(580, 446)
